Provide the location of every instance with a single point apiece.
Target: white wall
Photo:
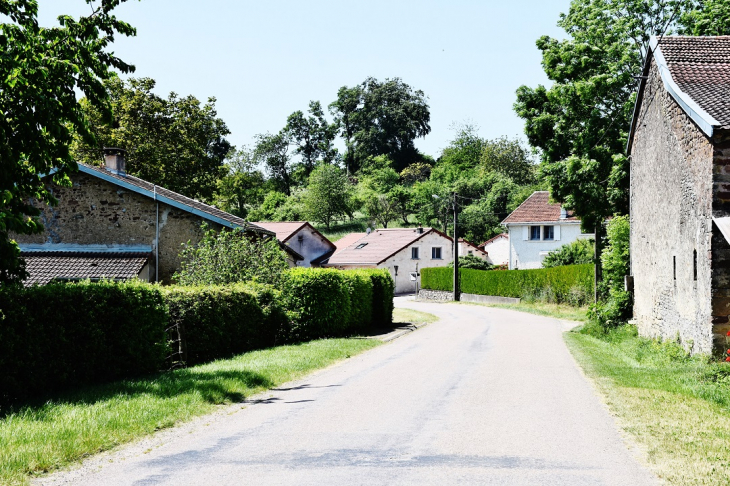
(498, 251)
(310, 247)
(525, 254)
(466, 249)
(403, 283)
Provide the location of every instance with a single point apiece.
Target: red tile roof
(700, 66)
(538, 209)
(283, 229)
(45, 266)
(378, 246)
(476, 247)
(348, 240)
(493, 239)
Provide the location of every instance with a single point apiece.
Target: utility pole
(457, 294)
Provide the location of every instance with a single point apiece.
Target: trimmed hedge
(64, 335)
(383, 294)
(571, 284)
(221, 321)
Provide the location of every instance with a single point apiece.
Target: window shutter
(525, 233)
(556, 232)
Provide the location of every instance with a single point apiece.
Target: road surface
(484, 396)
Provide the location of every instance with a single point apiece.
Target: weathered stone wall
(93, 212)
(720, 246)
(437, 295)
(671, 219)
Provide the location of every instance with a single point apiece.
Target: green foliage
(360, 289)
(174, 142)
(313, 137)
(465, 150)
(473, 262)
(577, 252)
(570, 284)
(328, 196)
(509, 158)
(383, 293)
(711, 17)
(416, 172)
(272, 151)
(242, 188)
(66, 335)
(231, 256)
(41, 72)
(615, 304)
(221, 321)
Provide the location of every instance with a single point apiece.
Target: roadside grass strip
(38, 439)
(557, 311)
(410, 316)
(675, 407)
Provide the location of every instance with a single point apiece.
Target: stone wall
(437, 295)
(671, 221)
(95, 212)
(444, 296)
(720, 247)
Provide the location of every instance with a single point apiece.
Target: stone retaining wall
(444, 296)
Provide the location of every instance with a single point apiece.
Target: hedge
(383, 293)
(64, 335)
(571, 284)
(220, 321)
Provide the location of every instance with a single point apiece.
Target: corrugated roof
(378, 246)
(538, 209)
(45, 266)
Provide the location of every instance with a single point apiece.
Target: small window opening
(414, 253)
(694, 267)
(548, 232)
(436, 253)
(674, 267)
(534, 232)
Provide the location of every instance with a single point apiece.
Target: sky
(264, 60)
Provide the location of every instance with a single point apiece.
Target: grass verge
(410, 316)
(38, 439)
(676, 407)
(558, 311)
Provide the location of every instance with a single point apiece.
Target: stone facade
(678, 264)
(96, 212)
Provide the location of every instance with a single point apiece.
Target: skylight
(361, 245)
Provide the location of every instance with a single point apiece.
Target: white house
(468, 248)
(538, 227)
(305, 245)
(402, 251)
(497, 249)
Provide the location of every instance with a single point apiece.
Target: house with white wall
(467, 248)
(538, 227)
(303, 243)
(497, 249)
(402, 251)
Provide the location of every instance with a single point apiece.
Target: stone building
(680, 192)
(538, 227)
(109, 224)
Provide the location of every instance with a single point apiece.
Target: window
(534, 232)
(414, 253)
(436, 253)
(361, 245)
(674, 267)
(694, 268)
(548, 232)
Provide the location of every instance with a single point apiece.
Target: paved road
(485, 396)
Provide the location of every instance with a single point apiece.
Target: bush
(472, 261)
(614, 307)
(360, 288)
(65, 335)
(578, 252)
(218, 322)
(569, 284)
(383, 293)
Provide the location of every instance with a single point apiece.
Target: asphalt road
(485, 396)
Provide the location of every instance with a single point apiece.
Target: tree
(382, 118)
(416, 172)
(41, 71)
(242, 188)
(174, 142)
(402, 198)
(710, 17)
(327, 197)
(580, 123)
(313, 136)
(465, 150)
(230, 256)
(473, 262)
(577, 252)
(510, 158)
(272, 150)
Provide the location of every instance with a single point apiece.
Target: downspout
(157, 236)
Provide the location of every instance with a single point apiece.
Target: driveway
(484, 396)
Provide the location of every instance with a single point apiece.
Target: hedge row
(571, 284)
(64, 335)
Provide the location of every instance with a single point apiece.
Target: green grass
(410, 316)
(676, 407)
(557, 311)
(38, 439)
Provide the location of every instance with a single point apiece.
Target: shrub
(382, 295)
(64, 335)
(360, 288)
(472, 261)
(221, 321)
(578, 252)
(569, 284)
(615, 304)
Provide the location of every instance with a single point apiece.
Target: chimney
(114, 160)
(563, 213)
(420, 230)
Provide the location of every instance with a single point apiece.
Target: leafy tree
(465, 150)
(230, 256)
(402, 197)
(381, 208)
(269, 208)
(710, 17)
(510, 158)
(243, 187)
(327, 197)
(272, 150)
(173, 142)
(313, 136)
(473, 262)
(614, 307)
(580, 123)
(41, 70)
(382, 118)
(416, 172)
(576, 252)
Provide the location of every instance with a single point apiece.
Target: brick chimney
(114, 160)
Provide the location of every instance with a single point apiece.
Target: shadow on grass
(215, 387)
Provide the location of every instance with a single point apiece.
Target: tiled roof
(285, 230)
(45, 266)
(378, 246)
(348, 240)
(700, 66)
(538, 209)
(469, 243)
(180, 201)
(493, 239)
